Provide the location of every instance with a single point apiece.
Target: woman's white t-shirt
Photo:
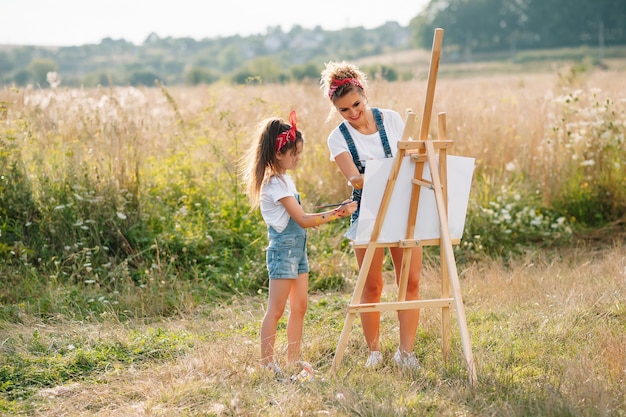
(368, 146)
(272, 210)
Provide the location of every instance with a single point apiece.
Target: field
(133, 279)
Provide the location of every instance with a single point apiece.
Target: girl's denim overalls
(286, 253)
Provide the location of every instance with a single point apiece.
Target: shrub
(507, 220)
(586, 156)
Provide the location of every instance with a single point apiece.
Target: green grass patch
(29, 363)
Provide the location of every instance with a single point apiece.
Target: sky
(80, 22)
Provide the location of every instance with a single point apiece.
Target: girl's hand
(346, 209)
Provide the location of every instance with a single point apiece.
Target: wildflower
(53, 79)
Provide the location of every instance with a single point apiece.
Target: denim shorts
(286, 256)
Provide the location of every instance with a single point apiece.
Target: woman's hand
(356, 181)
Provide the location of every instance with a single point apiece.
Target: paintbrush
(333, 204)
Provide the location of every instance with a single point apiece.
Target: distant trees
(143, 77)
(262, 69)
(471, 27)
(6, 66)
(199, 75)
(277, 56)
(95, 79)
(306, 71)
(35, 71)
(492, 25)
(39, 69)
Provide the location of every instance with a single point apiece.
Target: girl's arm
(306, 220)
(349, 170)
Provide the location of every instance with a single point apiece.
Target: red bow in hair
(289, 135)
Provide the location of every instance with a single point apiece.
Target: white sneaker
(374, 359)
(406, 360)
(306, 374)
(275, 369)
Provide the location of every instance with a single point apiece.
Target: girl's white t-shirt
(272, 210)
(368, 146)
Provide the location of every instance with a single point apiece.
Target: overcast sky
(79, 22)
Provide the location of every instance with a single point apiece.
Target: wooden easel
(435, 153)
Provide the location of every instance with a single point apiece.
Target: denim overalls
(285, 255)
(356, 194)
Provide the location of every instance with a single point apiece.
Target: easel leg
(356, 296)
(446, 244)
(408, 251)
(343, 340)
(445, 276)
(445, 311)
(404, 273)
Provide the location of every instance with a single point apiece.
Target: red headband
(338, 83)
(289, 135)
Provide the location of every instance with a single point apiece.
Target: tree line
(496, 25)
(276, 56)
(471, 27)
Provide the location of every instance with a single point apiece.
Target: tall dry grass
(547, 329)
(123, 133)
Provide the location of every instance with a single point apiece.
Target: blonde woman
(370, 133)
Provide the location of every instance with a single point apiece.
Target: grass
(133, 272)
(547, 335)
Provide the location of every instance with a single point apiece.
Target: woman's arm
(306, 220)
(349, 170)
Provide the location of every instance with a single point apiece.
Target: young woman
(277, 148)
(370, 133)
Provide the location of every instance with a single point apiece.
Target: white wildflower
(53, 79)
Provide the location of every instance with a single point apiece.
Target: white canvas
(460, 171)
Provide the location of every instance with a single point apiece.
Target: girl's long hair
(260, 163)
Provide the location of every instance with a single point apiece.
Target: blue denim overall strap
(356, 194)
(381, 130)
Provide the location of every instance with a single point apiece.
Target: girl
(277, 149)
(370, 133)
